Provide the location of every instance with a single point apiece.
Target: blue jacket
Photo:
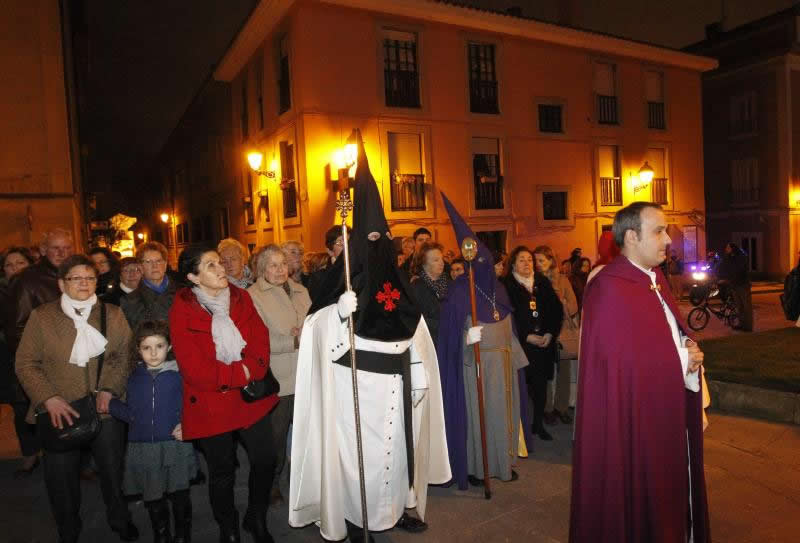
(154, 404)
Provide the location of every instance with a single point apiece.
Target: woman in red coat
(221, 345)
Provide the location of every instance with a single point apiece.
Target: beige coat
(564, 291)
(42, 361)
(280, 313)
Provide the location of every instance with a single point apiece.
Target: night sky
(148, 59)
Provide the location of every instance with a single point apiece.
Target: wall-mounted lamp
(140, 235)
(642, 180)
(255, 159)
(165, 217)
(344, 162)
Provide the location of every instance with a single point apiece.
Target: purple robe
(630, 475)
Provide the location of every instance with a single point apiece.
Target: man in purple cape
(638, 458)
(459, 389)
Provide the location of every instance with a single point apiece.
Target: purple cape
(629, 476)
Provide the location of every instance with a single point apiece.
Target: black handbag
(261, 388)
(85, 428)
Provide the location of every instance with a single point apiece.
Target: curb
(762, 403)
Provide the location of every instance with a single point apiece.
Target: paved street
(767, 315)
(752, 467)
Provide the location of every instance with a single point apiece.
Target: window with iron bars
(401, 73)
(655, 115)
(610, 191)
(607, 109)
(488, 181)
(659, 187)
(550, 118)
(288, 182)
(249, 211)
(482, 79)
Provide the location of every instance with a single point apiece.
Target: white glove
(347, 304)
(474, 335)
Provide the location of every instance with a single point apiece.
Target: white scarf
(526, 282)
(228, 341)
(89, 342)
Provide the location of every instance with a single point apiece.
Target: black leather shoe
(474, 481)
(255, 523)
(199, 478)
(411, 524)
(544, 435)
(128, 533)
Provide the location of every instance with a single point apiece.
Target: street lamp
(256, 159)
(643, 178)
(165, 217)
(140, 235)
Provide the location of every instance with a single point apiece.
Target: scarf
(89, 342)
(160, 289)
(125, 289)
(245, 281)
(526, 282)
(439, 287)
(228, 340)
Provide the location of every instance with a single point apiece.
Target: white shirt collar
(649, 272)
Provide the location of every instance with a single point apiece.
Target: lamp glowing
(255, 159)
(164, 217)
(646, 173)
(140, 235)
(338, 160)
(350, 154)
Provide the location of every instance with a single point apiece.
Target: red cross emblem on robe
(387, 297)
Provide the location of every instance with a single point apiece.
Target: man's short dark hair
(630, 218)
(330, 236)
(422, 230)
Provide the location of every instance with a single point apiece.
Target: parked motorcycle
(704, 282)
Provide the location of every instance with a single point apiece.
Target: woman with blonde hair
(557, 406)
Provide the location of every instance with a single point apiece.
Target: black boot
(255, 523)
(356, 533)
(182, 515)
(230, 533)
(159, 518)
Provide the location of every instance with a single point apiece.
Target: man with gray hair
(34, 286)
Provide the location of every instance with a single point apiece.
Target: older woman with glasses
(153, 297)
(130, 276)
(233, 256)
(58, 360)
(283, 305)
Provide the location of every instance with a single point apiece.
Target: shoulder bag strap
(103, 354)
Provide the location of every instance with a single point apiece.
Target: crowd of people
(223, 350)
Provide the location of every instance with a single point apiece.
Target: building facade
(40, 181)
(751, 111)
(536, 132)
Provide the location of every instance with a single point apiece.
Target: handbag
(83, 429)
(569, 339)
(261, 388)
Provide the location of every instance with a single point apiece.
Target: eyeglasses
(131, 270)
(79, 279)
(157, 262)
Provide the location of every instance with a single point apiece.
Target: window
(659, 186)
(284, 91)
(554, 205)
(407, 171)
(249, 212)
(487, 173)
(654, 88)
(610, 179)
(288, 180)
(182, 232)
(606, 93)
(260, 90)
(400, 69)
(495, 240)
(482, 79)
(243, 109)
(224, 230)
(743, 114)
(744, 180)
(550, 118)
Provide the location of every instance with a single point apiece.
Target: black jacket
(428, 304)
(146, 304)
(548, 321)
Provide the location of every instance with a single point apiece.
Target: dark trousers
(62, 477)
(220, 452)
(281, 417)
(537, 378)
(29, 443)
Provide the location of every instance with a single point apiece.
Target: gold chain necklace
(495, 312)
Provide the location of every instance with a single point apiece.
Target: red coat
(629, 463)
(212, 403)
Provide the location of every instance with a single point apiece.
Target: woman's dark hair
(75, 260)
(105, 251)
(512, 258)
(144, 330)
(24, 251)
(189, 261)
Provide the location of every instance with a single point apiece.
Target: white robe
(324, 485)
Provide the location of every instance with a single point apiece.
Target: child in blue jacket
(158, 464)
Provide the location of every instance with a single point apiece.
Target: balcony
(488, 192)
(402, 88)
(660, 188)
(610, 191)
(607, 109)
(655, 115)
(483, 96)
(408, 192)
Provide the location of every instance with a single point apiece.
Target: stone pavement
(767, 315)
(752, 468)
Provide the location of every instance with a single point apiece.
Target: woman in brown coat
(57, 363)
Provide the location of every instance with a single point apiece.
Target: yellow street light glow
(255, 159)
(338, 159)
(646, 173)
(164, 217)
(140, 235)
(350, 153)
(273, 165)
